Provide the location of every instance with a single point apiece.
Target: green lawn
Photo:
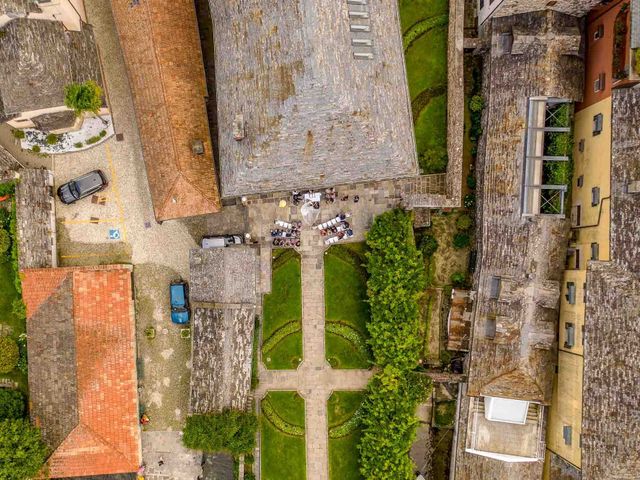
(343, 451)
(281, 307)
(283, 455)
(425, 32)
(346, 308)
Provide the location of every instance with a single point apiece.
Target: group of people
(287, 235)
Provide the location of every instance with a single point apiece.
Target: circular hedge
(9, 354)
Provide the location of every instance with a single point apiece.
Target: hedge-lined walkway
(314, 379)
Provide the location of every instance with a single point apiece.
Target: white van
(219, 242)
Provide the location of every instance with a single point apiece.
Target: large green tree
(22, 452)
(83, 97)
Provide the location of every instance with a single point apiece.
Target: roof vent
(633, 187)
(197, 147)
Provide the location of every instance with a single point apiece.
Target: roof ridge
(105, 441)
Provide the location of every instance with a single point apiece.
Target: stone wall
(576, 8)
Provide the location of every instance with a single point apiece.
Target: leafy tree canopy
(22, 452)
(11, 404)
(83, 97)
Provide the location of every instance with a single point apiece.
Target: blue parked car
(179, 295)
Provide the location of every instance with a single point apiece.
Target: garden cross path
(314, 379)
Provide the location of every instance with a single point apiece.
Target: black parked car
(83, 186)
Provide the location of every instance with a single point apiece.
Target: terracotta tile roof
(162, 51)
(102, 436)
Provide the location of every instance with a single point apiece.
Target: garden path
(314, 379)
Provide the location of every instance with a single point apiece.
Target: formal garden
(424, 26)
(282, 437)
(282, 313)
(344, 435)
(346, 306)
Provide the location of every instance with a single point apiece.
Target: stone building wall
(505, 8)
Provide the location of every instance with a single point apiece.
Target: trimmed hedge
(348, 333)
(230, 431)
(280, 334)
(396, 281)
(389, 424)
(278, 422)
(347, 427)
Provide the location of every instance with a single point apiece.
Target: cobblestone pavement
(314, 379)
(167, 459)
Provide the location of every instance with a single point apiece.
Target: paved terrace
(315, 115)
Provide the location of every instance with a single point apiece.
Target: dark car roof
(89, 181)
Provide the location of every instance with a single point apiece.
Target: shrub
(52, 139)
(249, 476)
(434, 160)
(19, 134)
(103, 133)
(78, 144)
(18, 308)
(476, 104)
(229, 431)
(83, 97)
(22, 451)
(11, 404)
(22, 347)
(347, 427)
(396, 281)
(637, 59)
(9, 354)
(464, 223)
(389, 424)
(459, 279)
(461, 240)
(36, 149)
(5, 241)
(92, 140)
(428, 245)
(469, 200)
(445, 414)
(471, 181)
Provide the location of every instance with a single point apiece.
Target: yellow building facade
(590, 219)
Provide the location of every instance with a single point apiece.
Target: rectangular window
(490, 327)
(567, 431)
(595, 251)
(580, 181)
(495, 287)
(582, 335)
(599, 32)
(481, 4)
(595, 196)
(598, 121)
(581, 145)
(571, 293)
(584, 294)
(576, 211)
(577, 259)
(598, 84)
(570, 335)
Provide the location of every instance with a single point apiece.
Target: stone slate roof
(528, 254)
(82, 369)
(35, 217)
(55, 121)
(162, 51)
(315, 116)
(610, 421)
(223, 293)
(224, 275)
(38, 58)
(17, 7)
(7, 161)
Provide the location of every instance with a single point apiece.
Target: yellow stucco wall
(593, 164)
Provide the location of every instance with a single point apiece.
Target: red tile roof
(162, 51)
(106, 438)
